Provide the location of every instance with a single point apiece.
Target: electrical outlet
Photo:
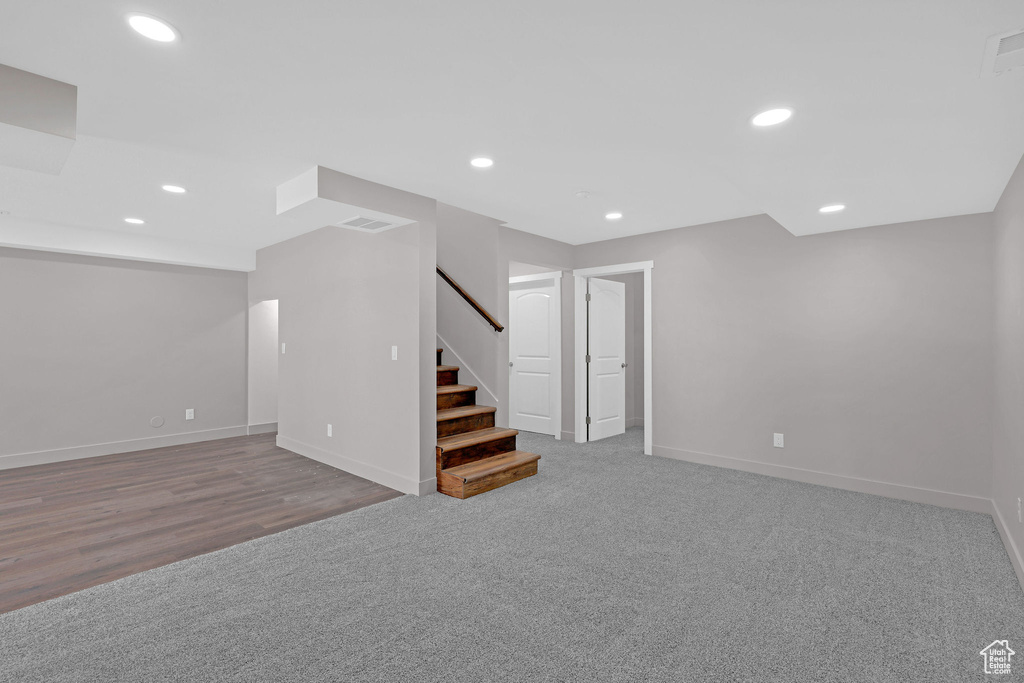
(282, 348)
(394, 353)
(190, 413)
(330, 430)
(779, 441)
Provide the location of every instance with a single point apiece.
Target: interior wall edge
(1016, 559)
(360, 469)
(265, 428)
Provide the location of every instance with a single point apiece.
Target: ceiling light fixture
(772, 117)
(832, 208)
(174, 189)
(482, 162)
(152, 28)
(134, 221)
(613, 216)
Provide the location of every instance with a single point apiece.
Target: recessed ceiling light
(152, 28)
(174, 189)
(771, 117)
(482, 162)
(134, 221)
(613, 216)
(832, 208)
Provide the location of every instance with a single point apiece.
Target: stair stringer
(484, 395)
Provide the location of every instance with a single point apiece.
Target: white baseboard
(957, 501)
(1011, 548)
(635, 422)
(568, 436)
(360, 469)
(265, 428)
(97, 450)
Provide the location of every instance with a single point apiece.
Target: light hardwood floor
(71, 525)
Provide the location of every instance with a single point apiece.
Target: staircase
(473, 456)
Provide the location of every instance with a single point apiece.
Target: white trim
(1011, 548)
(617, 269)
(554, 275)
(98, 450)
(360, 469)
(957, 501)
(265, 428)
(556, 372)
(493, 397)
(580, 350)
(648, 362)
(579, 284)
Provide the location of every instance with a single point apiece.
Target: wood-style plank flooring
(71, 525)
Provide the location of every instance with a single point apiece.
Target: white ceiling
(645, 105)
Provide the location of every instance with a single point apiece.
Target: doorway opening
(613, 388)
(535, 349)
(263, 370)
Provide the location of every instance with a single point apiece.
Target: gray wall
(93, 348)
(869, 349)
(1008, 446)
(263, 355)
(345, 298)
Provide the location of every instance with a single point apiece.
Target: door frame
(580, 276)
(556, 358)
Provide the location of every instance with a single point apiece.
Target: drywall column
(1008, 442)
(347, 298)
(263, 359)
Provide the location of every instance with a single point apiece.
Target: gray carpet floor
(607, 566)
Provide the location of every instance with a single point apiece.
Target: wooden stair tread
(463, 411)
(448, 368)
(455, 388)
(479, 469)
(467, 439)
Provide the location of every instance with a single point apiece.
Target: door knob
(510, 363)
(625, 364)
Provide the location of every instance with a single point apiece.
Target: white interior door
(534, 348)
(606, 372)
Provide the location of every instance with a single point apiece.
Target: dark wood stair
(473, 456)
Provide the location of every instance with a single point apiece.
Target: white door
(606, 373)
(534, 347)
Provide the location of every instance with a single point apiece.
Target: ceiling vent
(1003, 52)
(365, 224)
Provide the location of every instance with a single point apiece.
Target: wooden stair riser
(456, 399)
(475, 457)
(468, 423)
(455, 486)
(475, 452)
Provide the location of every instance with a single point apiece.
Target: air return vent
(366, 224)
(1003, 52)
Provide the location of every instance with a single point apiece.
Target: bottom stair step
(483, 475)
